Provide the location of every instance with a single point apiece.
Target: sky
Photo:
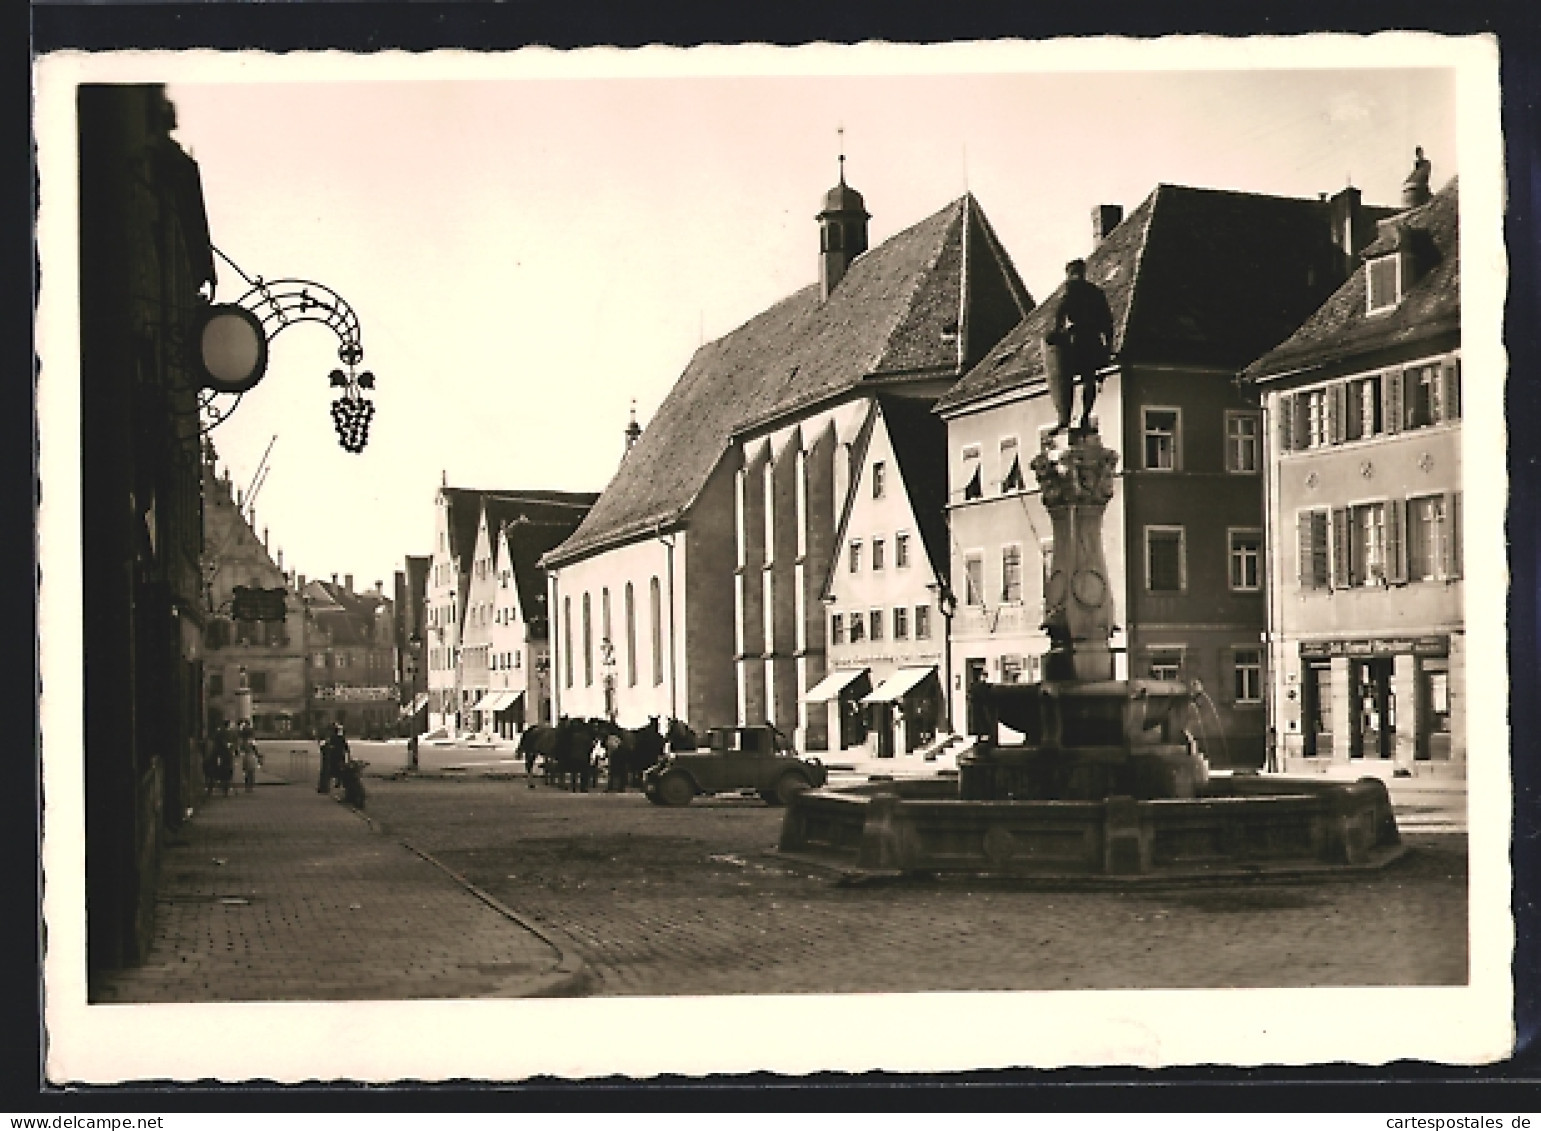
(529, 256)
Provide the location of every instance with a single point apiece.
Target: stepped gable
(1194, 276)
(534, 526)
(885, 320)
(1430, 308)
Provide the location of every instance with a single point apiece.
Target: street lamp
(947, 605)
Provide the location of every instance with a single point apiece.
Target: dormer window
(1385, 282)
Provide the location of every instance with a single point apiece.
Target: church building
(717, 533)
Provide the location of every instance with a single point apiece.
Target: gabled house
(463, 552)
(1367, 652)
(505, 649)
(721, 519)
(351, 641)
(1200, 282)
(411, 588)
(887, 637)
(263, 658)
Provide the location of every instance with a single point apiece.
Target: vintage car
(735, 759)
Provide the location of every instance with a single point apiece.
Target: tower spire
(842, 228)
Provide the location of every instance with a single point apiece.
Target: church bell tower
(842, 232)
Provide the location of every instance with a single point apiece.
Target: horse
(678, 736)
(566, 751)
(630, 752)
(537, 741)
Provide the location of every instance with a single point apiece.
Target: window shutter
(1337, 411)
(1450, 374)
(1391, 394)
(1302, 425)
(1304, 546)
(1396, 563)
(1453, 534)
(1341, 559)
(1286, 422)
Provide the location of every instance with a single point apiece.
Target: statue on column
(1077, 346)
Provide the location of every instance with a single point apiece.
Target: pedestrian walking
(412, 751)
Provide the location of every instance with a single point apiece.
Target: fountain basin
(1243, 827)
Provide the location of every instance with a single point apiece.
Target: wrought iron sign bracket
(231, 343)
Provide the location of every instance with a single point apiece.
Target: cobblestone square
(695, 901)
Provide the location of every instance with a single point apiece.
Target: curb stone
(571, 976)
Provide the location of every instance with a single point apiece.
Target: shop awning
(481, 704)
(900, 684)
(502, 700)
(833, 684)
(419, 701)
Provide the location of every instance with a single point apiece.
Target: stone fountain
(1108, 783)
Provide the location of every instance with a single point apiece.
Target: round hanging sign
(231, 349)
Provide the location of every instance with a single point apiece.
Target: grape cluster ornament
(351, 416)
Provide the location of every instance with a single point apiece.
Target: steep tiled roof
(533, 528)
(895, 312)
(347, 618)
(465, 510)
(1193, 277)
(1431, 307)
(919, 441)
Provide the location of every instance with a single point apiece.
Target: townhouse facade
(459, 680)
(253, 670)
(725, 509)
(144, 241)
(350, 646)
(506, 651)
(885, 685)
(1199, 282)
(410, 603)
(1367, 650)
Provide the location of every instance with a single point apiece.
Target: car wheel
(675, 789)
(789, 786)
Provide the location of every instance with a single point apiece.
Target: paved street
(283, 894)
(473, 884)
(693, 901)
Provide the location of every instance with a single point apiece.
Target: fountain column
(1076, 480)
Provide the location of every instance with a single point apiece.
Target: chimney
(264, 537)
(299, 581)
(1415, 189)
(280, 558)
(1352, 230)
(347, 582)
(1105, 217)
(379, 588)
(334, 579)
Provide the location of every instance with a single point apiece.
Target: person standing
(251, 757)
(218, 759)
(412, 751)
(334, 752)
(1083, 329)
